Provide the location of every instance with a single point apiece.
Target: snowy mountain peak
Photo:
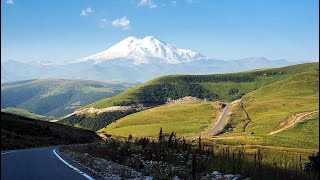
(144, 50)
(149, 38)
(130, 39)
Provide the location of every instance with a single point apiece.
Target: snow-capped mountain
(141, 51)
(134, 59)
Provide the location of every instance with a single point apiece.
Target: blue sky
(63, 30)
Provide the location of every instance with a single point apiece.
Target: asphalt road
(42, 163)
(220, 123)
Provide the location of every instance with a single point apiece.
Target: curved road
(221, 122)
(41, 163)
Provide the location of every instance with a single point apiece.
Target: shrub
(313, 164)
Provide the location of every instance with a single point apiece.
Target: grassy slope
(18, 132)
(267, 106)
(290, 89)
(56, 97)
(27, 114)
(183, 119)
(94, 121)
(221, 85)
(270, 105)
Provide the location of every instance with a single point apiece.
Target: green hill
(18, 132)
(269, 106)
(295, 91)
(183, 119)
(94, 121)
(27, 114)
(224, 87)
(57, 97)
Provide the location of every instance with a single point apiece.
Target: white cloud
(9, 1)
(123, 23)
(174, 3)
(148, 3)
(86, 12)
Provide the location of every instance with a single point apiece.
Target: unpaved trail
(293, 120)
(93, 110)
(220, 123)
(228, 137)
(247, 115)
(54, 120)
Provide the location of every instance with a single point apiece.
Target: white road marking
(7, 152)
(72, 167)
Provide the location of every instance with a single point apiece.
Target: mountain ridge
(135, 60)
(142, 50)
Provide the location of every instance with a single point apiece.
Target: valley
(160, 90)
(56, 97)
(271, 112)
(267, 98)
(190, 105)
(27, 114)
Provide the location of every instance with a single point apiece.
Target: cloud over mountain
(123, 23)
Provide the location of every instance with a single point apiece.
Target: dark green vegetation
(314, 163)
(224, 87)
(95, 121)
(27, 114)
(57, 97)
(18, 132)
(169, 156)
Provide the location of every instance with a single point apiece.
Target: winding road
(220, 123)
(41, 163)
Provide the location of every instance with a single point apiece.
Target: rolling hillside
(183, 119)
(268, 107)
(224, 87)
(27, 114)
(278, 105)
(56, 97)
(18, 132)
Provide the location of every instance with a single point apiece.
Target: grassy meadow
(270, 105)
(183, 119)
(267, 107)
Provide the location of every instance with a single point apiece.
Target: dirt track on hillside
(293, 120)
(247, 115)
